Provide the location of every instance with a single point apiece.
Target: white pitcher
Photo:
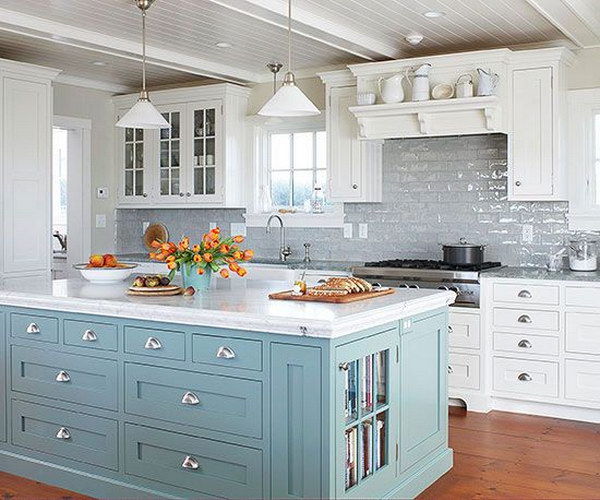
(488, 82)
(390, 89)
(420, 83)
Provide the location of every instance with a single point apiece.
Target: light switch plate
(145, 225)
(348, 230)
(363, 230)
(238, 228)
(212, 225)
(100, 221)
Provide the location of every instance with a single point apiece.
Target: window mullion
(291, 196)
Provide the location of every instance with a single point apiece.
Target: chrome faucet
(62, 239)
(284, 250)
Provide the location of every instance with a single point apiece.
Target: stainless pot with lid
(463, 253)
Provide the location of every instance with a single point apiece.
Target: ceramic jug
(464, 86)
(420, 82)
(390, 89)
(488, 82)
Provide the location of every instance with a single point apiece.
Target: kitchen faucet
(284, 250)
(62, 239)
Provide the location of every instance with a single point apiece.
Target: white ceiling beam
(315, 27)
(51, 31)
(577, 19)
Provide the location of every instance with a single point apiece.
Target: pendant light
(143, 114)
(289, 100)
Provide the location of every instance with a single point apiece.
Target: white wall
(585, 73)
(95, 105)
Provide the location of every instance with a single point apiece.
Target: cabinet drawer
(202, 465)
(102, 336)
(69, 377)
(582, 333)
(582, 380)
(463, 370)
(527, 294)
(526, 343)
(157, 343)
(521, 376)
(579, 296)
(211, 401)
(526, 318)
(464, 330)
(227, 351)
(84, 438)
(34, 327)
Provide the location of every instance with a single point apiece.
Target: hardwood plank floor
(498, 455)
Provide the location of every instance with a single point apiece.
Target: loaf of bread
(341, 286)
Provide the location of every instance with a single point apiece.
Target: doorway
(71, 194)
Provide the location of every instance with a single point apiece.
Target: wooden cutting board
(339, 299)
(155, 232)
(158, 291)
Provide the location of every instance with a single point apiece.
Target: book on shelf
(367, 455)
(351, 442)
(366, 386)
(381, 369)
(350, 395)
(381, 441)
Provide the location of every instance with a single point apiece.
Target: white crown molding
(113, 88)
(29, 69)
(76, 37)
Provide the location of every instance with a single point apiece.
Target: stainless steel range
(464, 280)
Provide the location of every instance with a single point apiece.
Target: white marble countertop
(239, 304)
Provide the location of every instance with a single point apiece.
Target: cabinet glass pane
(175, 189)
(381, 370)
(350, 391)
(303, 143)
(351, 457)
(199, 152)
(366, 437)
(210, 152)
(164, 132)
(199, 123)
(175, 126)
(210, 181)
(164, 182)
(129, 183)
(198, 181)
(366, 385)
(139, 155)
(128, 156)
(139, 182)
(139, 134)
(175, 153)
(128, 134)
(210, 122)
(381, 441)
(164, 155)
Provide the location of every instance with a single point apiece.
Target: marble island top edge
(238, 305)
(538, 273)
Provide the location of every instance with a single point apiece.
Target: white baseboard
(547, 410)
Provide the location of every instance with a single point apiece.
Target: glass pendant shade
(289, 100)
(144, 115)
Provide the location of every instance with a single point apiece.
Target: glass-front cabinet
(192, 162)
(366, 418)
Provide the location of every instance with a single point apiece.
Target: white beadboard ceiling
(69, 34)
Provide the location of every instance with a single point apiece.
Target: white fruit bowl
(105, 275)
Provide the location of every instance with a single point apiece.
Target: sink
(271, 272)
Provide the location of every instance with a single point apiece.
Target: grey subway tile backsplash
(435, 190)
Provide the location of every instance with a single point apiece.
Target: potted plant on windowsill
(198, 262)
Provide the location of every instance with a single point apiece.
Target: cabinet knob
(33, 329)
(188, 194)
(225, 352)
(525, 344)
(354, 186)
(63, 433)
(145, 195)
(181, 195)
(525, 294)
(343, 366)
(524, 377)
(517, 183)
(190, 399)
(89, 336)
(524, 319)
(63, 377)
(153, 344)
(450, 370)
(190, 463)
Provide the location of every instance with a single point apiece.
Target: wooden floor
(498, 455)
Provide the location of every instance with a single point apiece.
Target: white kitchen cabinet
(26, 127)
(200, 162)
(354, 166)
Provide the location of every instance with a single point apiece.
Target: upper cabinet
(354, 166)
(199, 161)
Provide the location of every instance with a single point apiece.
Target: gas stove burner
(430, 264)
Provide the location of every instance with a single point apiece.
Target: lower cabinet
(3, 386)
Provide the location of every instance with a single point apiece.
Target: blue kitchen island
(223, 395)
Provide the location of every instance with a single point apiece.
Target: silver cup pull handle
(189, 398)
(344, 367)
(63, 433)
(524, 344)
(63, 377)
(524, 294)
(89, 336)
(33, 329)
(450, 329)
(153, 344)
(524, 319)
(225, 352)
(525, 377)
(190, 463)
(450, 369)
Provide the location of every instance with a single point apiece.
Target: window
(297, 162)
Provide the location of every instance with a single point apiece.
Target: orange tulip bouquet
(198, 262)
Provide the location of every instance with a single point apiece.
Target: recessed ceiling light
(414, 38)
(99, 63)
(57, 37)
(223, 45)
(432, 14)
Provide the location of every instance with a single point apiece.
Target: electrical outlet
(238, 228)
(145, 226)
(212, 225)
(363, 230)
(100, 221)
(348, 230)
(527, 233)
(102, 193)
